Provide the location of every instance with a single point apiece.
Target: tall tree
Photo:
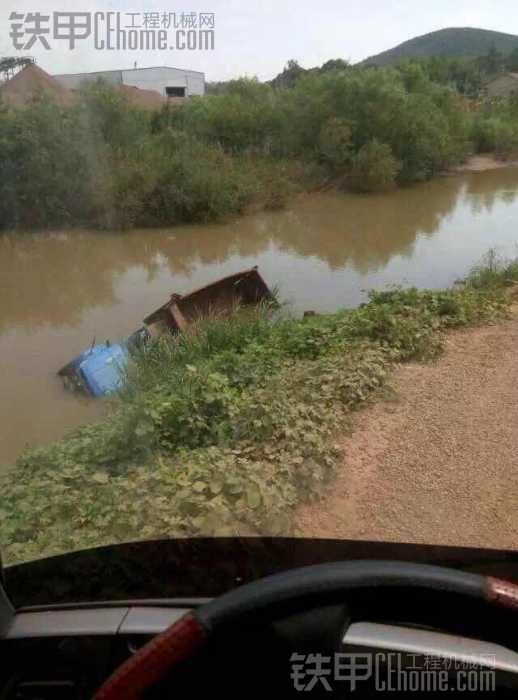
(10, 65)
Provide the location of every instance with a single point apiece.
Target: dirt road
(439, 464)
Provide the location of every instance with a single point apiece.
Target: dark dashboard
(207, 567)
(78, 617)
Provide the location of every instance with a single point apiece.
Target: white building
(169, 82)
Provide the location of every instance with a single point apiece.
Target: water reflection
(365, 232)
(490, 188)
(52, 279)
(58, 292)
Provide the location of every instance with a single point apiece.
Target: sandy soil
(148, 99)
(32, 80)
(440, 463)
(483, 162)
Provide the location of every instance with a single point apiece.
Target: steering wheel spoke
(288, 601)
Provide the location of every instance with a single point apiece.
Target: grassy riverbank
(225, 430)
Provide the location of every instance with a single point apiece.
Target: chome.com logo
(392, 671)
(115, 31)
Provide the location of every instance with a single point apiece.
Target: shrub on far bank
(192, 182)
(374, 168)
(495, 135)
(335, 144)
(494, 128)
(104, 162)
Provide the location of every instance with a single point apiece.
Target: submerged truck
(101, 370)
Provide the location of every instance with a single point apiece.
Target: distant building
(503, 86)
(168, 82)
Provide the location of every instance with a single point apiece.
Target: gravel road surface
(439, 464)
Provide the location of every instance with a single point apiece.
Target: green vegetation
(9, 65)
(450, 42)
(495, 128)
(100, 164)
(493, 272)
(325, 120)
(224, 430)
(375, 168)
(465, 72)
(468, 75)
(105, 163)
(492, 124)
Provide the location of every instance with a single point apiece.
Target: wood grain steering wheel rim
(304, 587)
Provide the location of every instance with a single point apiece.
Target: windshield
(258, 273)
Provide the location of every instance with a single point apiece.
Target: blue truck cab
(100, 371)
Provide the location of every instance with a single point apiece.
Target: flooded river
(61, 291)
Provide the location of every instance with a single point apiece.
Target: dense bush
(494, 133)
(108, 164)
(335, 144)
(420, 121)
(104, 162)
(374, 168)
(101, 163)
(328, 117)
(44, 178)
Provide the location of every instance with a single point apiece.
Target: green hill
(460, 41)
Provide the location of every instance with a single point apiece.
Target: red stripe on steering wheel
(502, 593)
(153, 661)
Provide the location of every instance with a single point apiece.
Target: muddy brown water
(61, 291)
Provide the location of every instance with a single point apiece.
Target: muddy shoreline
(484, 162)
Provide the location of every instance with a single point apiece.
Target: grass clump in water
(494, 271)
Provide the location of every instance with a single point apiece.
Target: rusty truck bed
(243, 288)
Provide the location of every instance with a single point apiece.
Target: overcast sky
(255, 37)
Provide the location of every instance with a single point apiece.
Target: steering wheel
(298, 589)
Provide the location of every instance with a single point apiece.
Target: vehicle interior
(185, 617)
